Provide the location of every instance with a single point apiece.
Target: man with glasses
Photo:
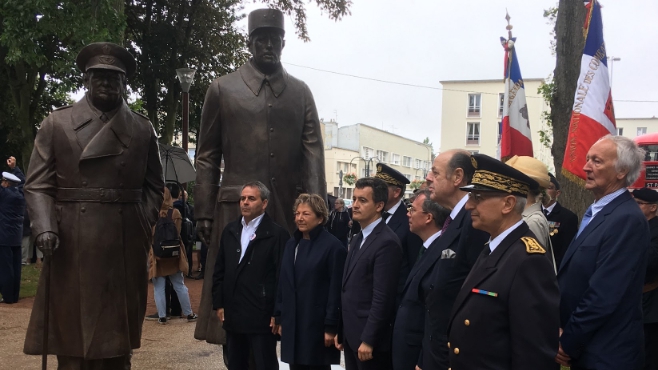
(506, 314)
(647, 199)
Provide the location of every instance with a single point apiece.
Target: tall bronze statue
(264, 124)
(93, 191)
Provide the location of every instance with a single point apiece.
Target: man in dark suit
(562, 223)
(459, 247)
(602, 273)
(395, 216)
(426, 219)
(647, 199)
(506, 313)
(245, 281)
(370, 282)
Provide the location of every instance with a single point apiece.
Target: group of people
(482, 270)
(12, 214)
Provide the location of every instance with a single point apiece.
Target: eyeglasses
(643, 203)
(412, 210)
(478, 197)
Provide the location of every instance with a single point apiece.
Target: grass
(29, 281)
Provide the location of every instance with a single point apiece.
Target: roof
(387, 132)
(495, 80)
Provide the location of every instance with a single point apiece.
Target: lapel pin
(253, 236)
(484, 292)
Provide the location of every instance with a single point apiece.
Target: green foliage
(416, 184)
(350, 178)
(335, 9)
(29, 281)
(551, 16)
(547, 91)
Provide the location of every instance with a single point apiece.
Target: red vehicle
(649, 176)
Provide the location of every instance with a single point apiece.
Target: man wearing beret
(506, 314)
(563, 223)
(12, 209)
(264, 125)
(647, 199)
(93, 191)
(395, 216)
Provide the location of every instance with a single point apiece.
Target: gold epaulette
(532, 245)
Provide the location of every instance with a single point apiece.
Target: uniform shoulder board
(532, 246)
(141, 115)
(63, 107)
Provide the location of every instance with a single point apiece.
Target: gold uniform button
(456, 351)
(467, 323)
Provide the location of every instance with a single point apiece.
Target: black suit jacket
(410, 316)
(369, 289)
(563, 226)
(441, 280)
(410, 243)
(650, 298)
(518, 328)
(246, 290)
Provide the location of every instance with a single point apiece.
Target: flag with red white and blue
(593, 114)
(515, 135)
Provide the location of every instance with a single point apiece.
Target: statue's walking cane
(46, 312)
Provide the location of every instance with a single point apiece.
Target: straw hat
(532, 167)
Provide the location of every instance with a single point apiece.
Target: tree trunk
(171, 106)
(569, 50)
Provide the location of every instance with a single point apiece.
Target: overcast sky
(422, 42)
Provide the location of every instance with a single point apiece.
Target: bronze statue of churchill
(264, 124)
(94, 188)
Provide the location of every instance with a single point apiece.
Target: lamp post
(367, 161)
(612, 65)
(340, 183)
(186, 77)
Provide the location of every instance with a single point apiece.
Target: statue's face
(266, 45)
(105, 88)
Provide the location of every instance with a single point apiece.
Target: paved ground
(164, 347)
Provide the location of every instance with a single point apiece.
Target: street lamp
(368, 163)
(186, 77)
(612, 64)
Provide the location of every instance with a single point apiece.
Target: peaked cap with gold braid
(494, 175)
(390, 175)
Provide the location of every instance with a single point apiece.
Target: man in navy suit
(602, 273)
(562, 223)
(444, 274)
(370, 282)
(395, 216)
(426, 219)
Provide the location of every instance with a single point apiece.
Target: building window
(395, 159)
(406, 161)
(501, 102)
(641, 131)
(419, 163)
(382, 156)
(426, 165)
(474, 106)
(474, 152)
(367, 152)
(473, 133)
(408, 176)
(620, 131)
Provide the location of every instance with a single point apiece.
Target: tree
(568, 48)
(39, 40)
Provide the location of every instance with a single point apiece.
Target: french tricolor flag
(593, 115)
(515, 136)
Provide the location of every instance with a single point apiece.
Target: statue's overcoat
(266, 128)
(97, 185)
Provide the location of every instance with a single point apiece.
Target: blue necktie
(586, 219)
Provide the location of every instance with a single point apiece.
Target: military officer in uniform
(506, 316)
(647, 199)
(562, 223)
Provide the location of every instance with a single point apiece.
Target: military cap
(265, 18)
(554, 181)
(10, 177)
(390, 175)
(492, 175)
(532, 167)
(106, 55)
(646, 194)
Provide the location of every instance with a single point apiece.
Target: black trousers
(10, 273)
(79, 363)
(651, 346)
(173, 305)
(262, 346)
(310, 367)
(380, 360)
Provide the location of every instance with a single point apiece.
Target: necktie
(385, 215)
(446, 224)
(356, 242)
(421, 252)
(586, 219)
(546, 213)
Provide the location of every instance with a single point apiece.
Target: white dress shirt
(368, 229)
(392, 211)
(248, 234)
(495, 242)
(431, 239)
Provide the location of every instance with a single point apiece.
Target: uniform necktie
(546, 213)
(385, 215)
(446, 224)
(586, 219)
